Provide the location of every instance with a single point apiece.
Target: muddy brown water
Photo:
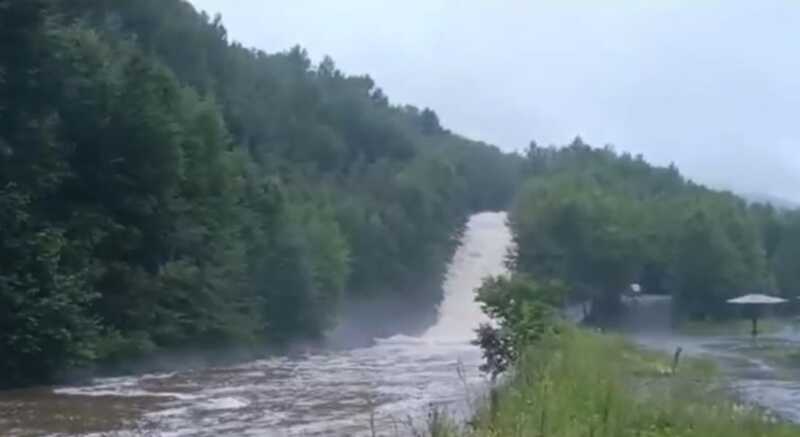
(384, 386)
(349, 392)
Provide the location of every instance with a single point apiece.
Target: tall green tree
(167, 188)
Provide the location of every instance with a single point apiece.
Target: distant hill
(776, 201)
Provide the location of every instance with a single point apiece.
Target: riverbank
(312, 392)
(587, 384)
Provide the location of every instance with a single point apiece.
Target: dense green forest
(162, 187)
(599, 221)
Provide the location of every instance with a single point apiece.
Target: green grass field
(590, 385)
(736, 327)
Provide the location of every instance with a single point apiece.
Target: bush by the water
(563, 381)
(523, 311)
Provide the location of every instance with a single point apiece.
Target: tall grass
(590, 385)
(736, 327)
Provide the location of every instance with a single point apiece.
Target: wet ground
(764, 372)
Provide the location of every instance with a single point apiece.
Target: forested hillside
(162, 187)
(600, 221)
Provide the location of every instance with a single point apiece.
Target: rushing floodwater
(335, 393)
(341, 393)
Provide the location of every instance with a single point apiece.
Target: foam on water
(341, 392)
(482, 253)
(227, 403)
(326, 393)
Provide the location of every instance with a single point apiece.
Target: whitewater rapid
(389, 386)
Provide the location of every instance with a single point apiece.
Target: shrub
(522, 310)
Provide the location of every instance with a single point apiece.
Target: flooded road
(331, 393)
(763, 371)
(753, 370)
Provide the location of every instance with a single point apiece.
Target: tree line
(162, 187)
(600, 221)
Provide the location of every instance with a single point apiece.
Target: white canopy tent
(756, 300)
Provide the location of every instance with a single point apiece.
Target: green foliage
(600, 221)
(717, 258)
(45, 325)
(579, 233)
(165, 188)
(785, 259)
(583, 384)
(733, 327)
(305, 270)
(522, 311)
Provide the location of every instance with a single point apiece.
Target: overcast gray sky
(713, 86)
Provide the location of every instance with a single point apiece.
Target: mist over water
(321, 393)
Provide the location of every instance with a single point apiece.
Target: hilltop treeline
(600, 221)
(163, 187)
(588, 222)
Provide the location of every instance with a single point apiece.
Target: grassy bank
(585, 384)
(735, 327)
